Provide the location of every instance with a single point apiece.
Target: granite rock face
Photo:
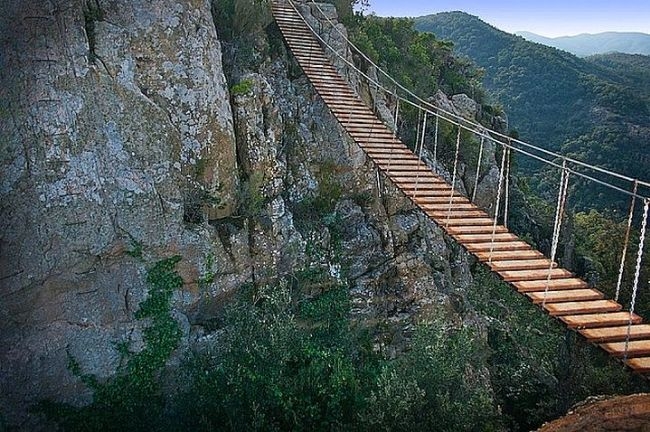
(114, 114)
(122, 145)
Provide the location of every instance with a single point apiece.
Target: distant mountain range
(601, 43)
(596, 109)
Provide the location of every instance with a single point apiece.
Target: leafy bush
(282, 367)
(290, 362)
(242, 88)
(436, 385)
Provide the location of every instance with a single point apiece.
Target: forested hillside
(584, 45)
(595, 109)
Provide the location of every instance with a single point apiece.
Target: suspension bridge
(557, 291)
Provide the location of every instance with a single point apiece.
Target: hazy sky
(545, 17)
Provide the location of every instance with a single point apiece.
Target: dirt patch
(624, 414)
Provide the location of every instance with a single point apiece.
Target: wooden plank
(444, 206)
(346, 116)
(533, 264)
(314, 64)
(434, 187)
(316, 74)
(380, 142)
(311, 51)
(351, 128)
(637, 348)
(483, 238)
(611, 319)
(640, 364)
(387, 147)
(355, 115)
(362, 122)
(509, 256)
(287, 14)
(377, 134)
(423, 199)
(481, 229)
(306, 58)
(553, 285)
(534, 275)
(442, 218)
(378, 131)
(344, 108)
(616, 334)
(329, 93)
(419, 174)
(427, 190)
(539, 297)
(400, 164)
(294, 25)
(370, 138)
(331, 104)
(288, 28)
(380, 155)
(414, 164)
(505, 246)
(313, 57)
(396, 156)
(470, 222)
(294, 35)
(334, 82)
(311, 47)
(443, 215)
(422, 173)
(582, 307)
(328, 81)
(407, 183)
(333, 85)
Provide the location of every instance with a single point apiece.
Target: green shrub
(295, 362)
(242, 88)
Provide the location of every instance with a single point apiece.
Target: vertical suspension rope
(557, 228)
(435, 145)
(637, 272)
(498, 203)
(396, 114)
(417, 134)
(453, 179)
(506, 203)
(626, 243)
(424, 132)
(422, 137)
(390, 161)
(379, 195)
(478, 168)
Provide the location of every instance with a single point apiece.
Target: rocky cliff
(123, 144)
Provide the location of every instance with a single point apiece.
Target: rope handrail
(463, 122)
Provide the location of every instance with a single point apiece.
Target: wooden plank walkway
(557, 291)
